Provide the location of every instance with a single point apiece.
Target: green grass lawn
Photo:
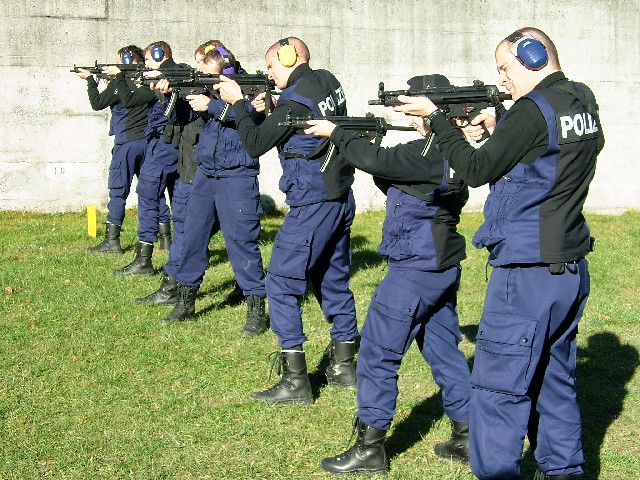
(91, 387)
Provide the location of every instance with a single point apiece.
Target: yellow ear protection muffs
(530, 52)
(287, 54)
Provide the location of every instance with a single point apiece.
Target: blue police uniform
(189, 136)
(523, 380)
(127, 126)
(225, 196)
(417, 298)
(159, 171)
(313, 242)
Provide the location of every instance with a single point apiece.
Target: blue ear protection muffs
(127, 58)
(287, 54)
(530, 52)
(157, 53)
(227, 67)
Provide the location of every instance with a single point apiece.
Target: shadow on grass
(363, 259)
(415, 426)
(604, 368)
(233, 297)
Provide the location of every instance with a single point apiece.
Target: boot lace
(276, 363)
(354, 428)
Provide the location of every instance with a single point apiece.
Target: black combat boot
(141, 264)
(185, 307)
(341, 370)
(167, 293)
(541, 476)
(457, 447)
(164, 236)
(366, 456)
(111, 242)
(256, 319)
(236, 296)
(294, 387)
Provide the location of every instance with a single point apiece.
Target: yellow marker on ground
(91, 221)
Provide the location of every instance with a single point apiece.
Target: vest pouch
(498, 207)
(407, 233)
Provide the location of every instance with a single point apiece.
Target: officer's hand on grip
(111, 70)
(229, 90)
(258, 102)
(420, 126)
(83, 74)
(322, 128)
(198, 103)
(162, 86)
(476, 129)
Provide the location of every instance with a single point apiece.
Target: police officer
(539, 163)
(187, 136)
(313, 242)
(415, 301)
(158, 172)
(225, 196)
(127, 127)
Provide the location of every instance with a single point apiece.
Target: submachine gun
(187, 81)
(463, 103)
(132, 70)
(370, 127)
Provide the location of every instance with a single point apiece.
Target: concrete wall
(54, 151)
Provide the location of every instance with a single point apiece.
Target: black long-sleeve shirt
(259, 139)
(127, 123)
(101, 100)
(521, 140)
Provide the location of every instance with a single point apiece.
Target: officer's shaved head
(301, 48)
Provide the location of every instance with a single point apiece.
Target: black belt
(558, 268)
(555, 268)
